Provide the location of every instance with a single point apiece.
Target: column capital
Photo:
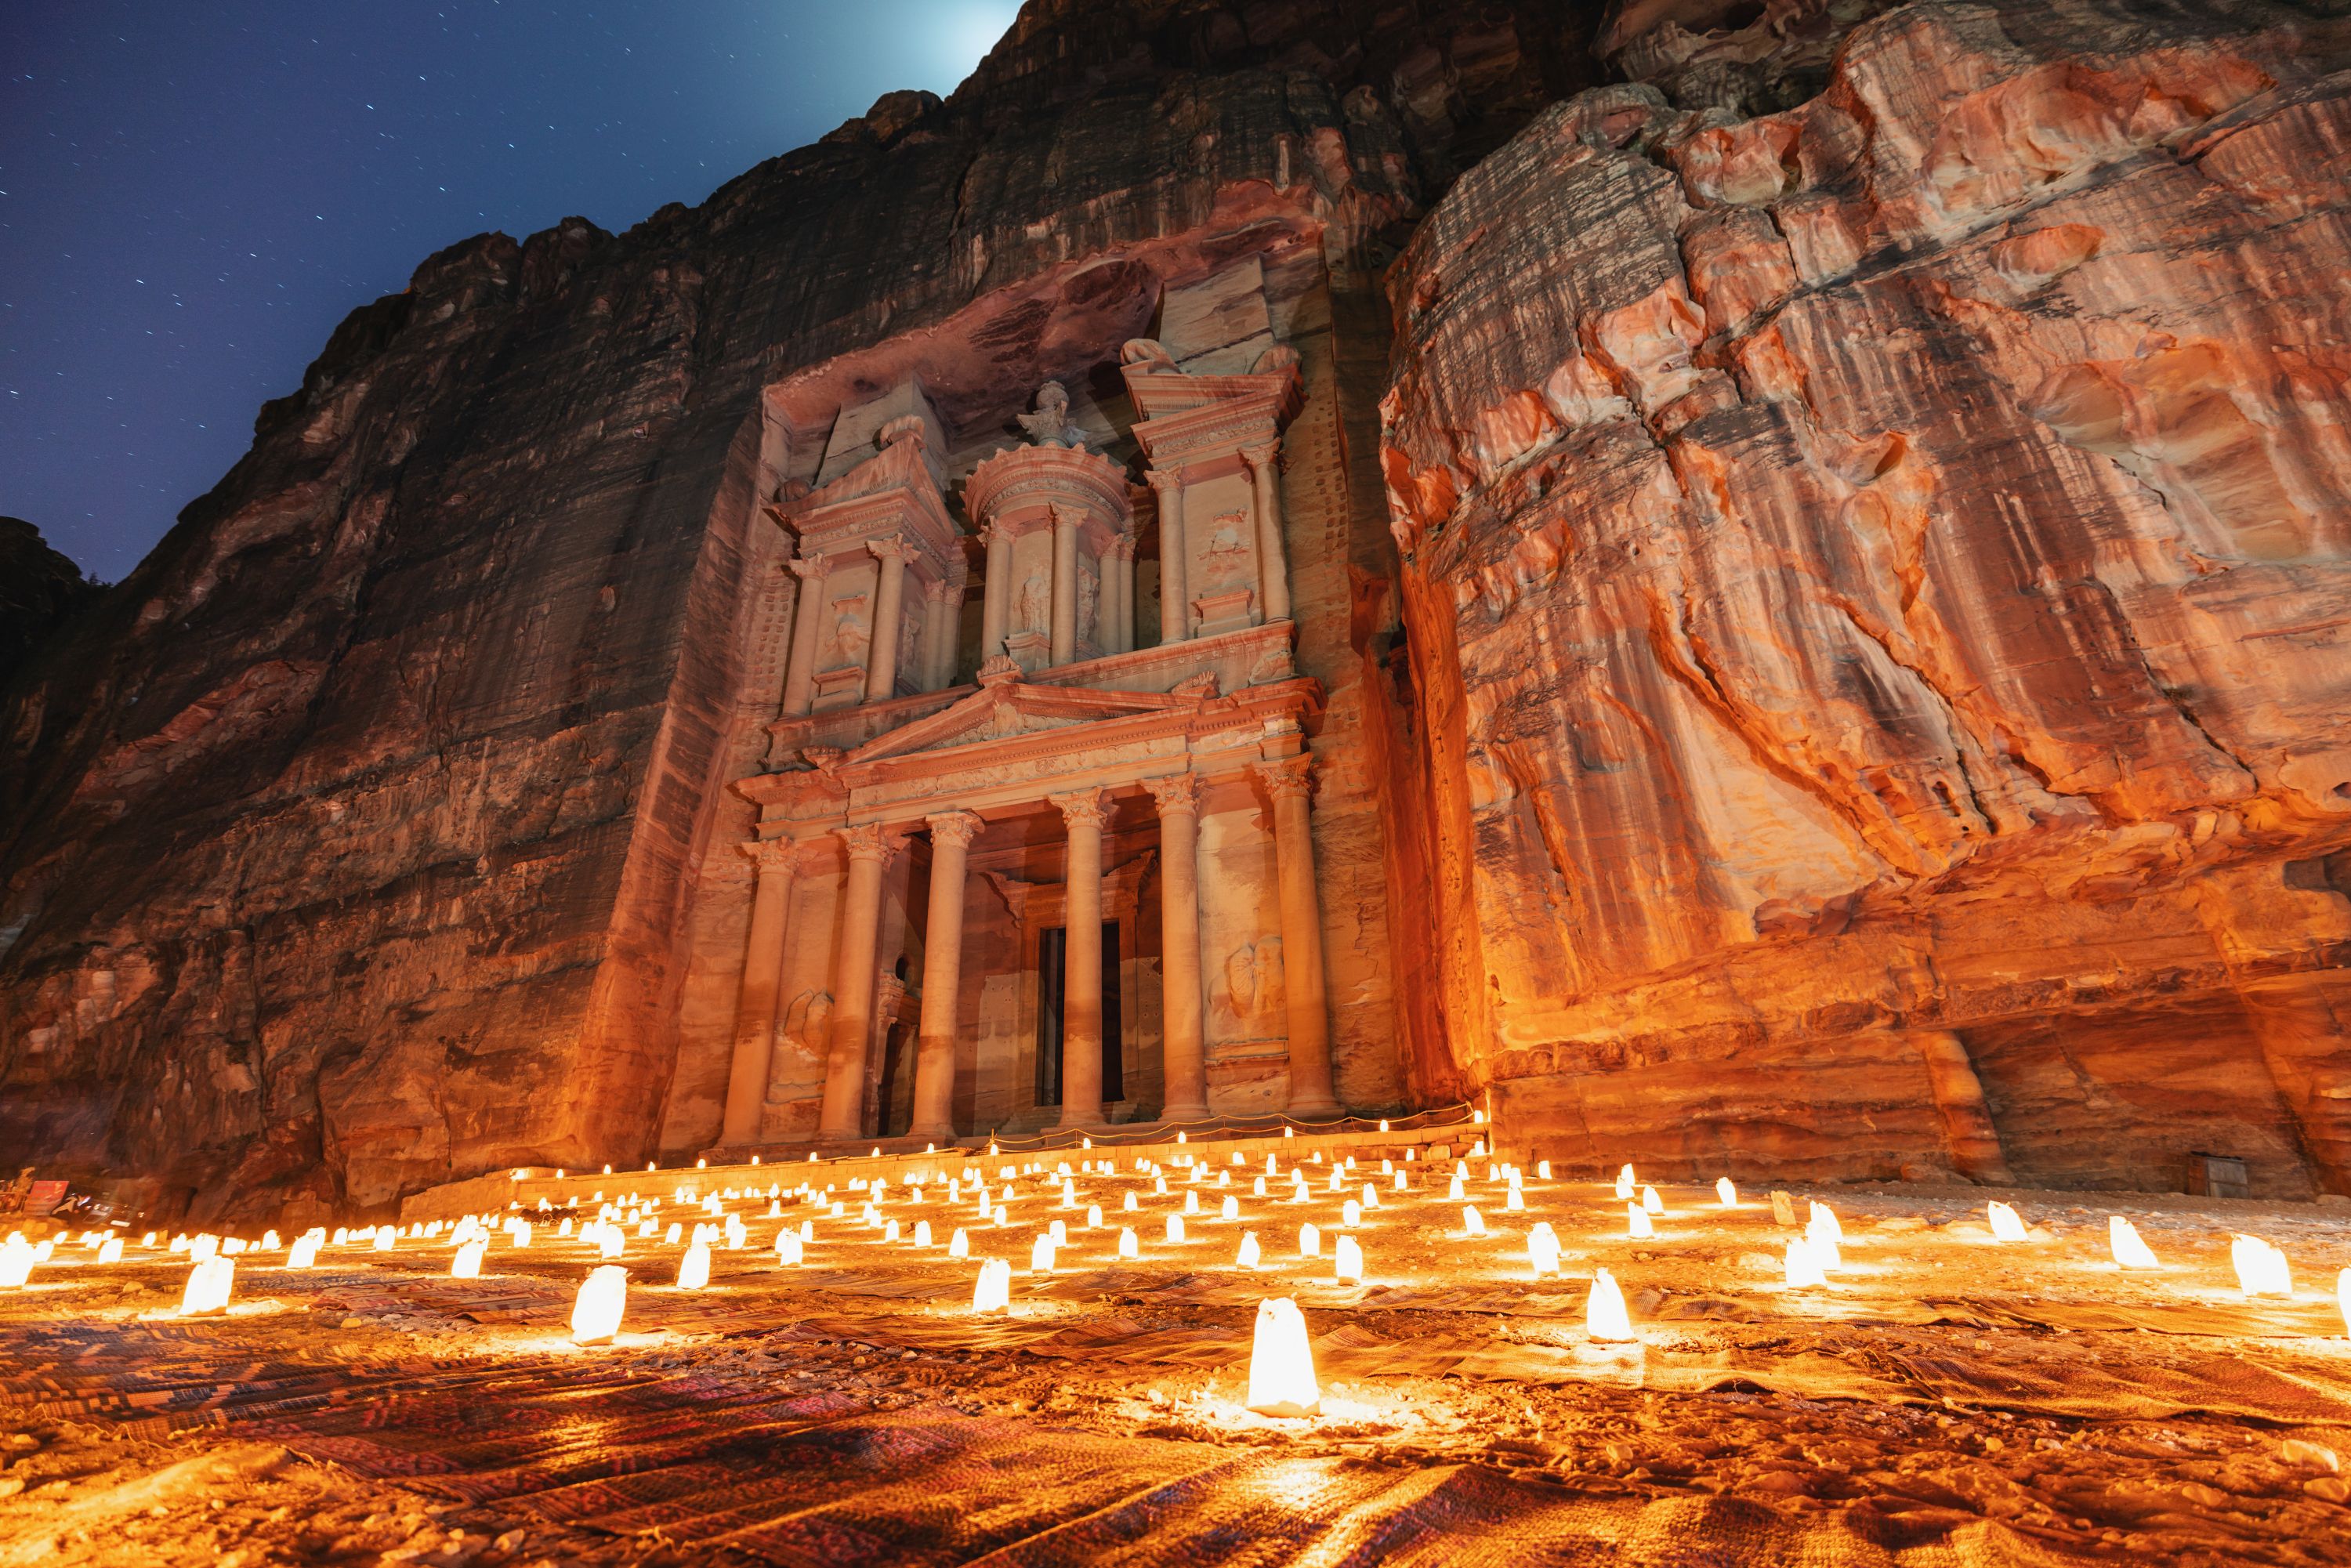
(1164, 480)
(943, 591)
(991, 532)
(806, 570)
(1175, 792)
(1082, 807)
(1263, 454)
(954, 826)
(1287, 777)
(769, 856)
(1123, 547)
(872, 842)
(895, 550)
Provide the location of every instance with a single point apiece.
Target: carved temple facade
(1054, 823)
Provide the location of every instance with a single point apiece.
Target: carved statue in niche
(910, 632)
(1245, 999)
(1050, 424)
(808, 1023)
(1089, 595)
(1148, 352)
(1034, 610)
(1225, 563)
(852, 639)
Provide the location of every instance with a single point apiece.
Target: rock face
(345, 847)
(39, 592)
(1859, 690)
(1876, 577)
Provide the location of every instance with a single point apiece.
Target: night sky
(193, 196)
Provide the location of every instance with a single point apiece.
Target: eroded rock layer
(1875, 576)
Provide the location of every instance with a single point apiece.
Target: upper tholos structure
(1759, 592)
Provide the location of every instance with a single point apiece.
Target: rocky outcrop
(39, 592)
(1876, 580)
(342, 847)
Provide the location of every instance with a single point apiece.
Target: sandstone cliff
(345, 841)
(39, 592)
(1876, 585)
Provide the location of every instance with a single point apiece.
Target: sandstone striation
(1875, 581)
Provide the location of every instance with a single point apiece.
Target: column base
(1183, 1114)
(1304, 1108)
(939, 1134)
(1094, 1122)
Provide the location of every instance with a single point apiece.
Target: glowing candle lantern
(1514, 1200)
(1059, 1233)
(807, 1229)
(521, 1233)
(1801, 1267)
(111, 1252)
(203, 1247)
(1130, 1205)
(467, 1263)
(1725, 1194)
(148, 1240)
(563, 1229)
(1336, 1176)
(343, 1236)
(1401, 1184)
(959, 1245)
(1310, 1241)
(1224, 1178)
(1128, 1247)
(1093, 1217)
(16, 1263)
(1246, 1258)
(1232, 1209)
(2261, 1269)
(1191, 1203)
(1637, 1221)
(1175, 1228)
(270, 1242)
(890, 1232)
(611, 1241)
(1040, 1255)
(776, 1210)
(1351, 1215)
(737, 1233)
(1543, 1169)
(1472, 1221)
(1827, 1237)
(1257, 1188)
(1159, 1187)
(209, 1283)
(386, 1238)
(1456, 1191)
(649, 1226)
(922, 1233)
(1281, 1362)
(1542, 1249)
(1347, 1262)
(1625, 1183)
(992, 1291)
(2006, 1226)
(2123, 1241)
(1651, 1201)
(596, 1312)
(1370, 1196)
(179, 1243)
(1604, 1317)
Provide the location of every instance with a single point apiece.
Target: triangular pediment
(1003, 710)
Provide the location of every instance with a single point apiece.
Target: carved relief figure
(1226, 561)
(851, 638)
(808, 1022)
(1035, 610)
(1246, 998)
(1089, 594)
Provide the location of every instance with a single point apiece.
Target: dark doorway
(896, 1090)
(1052, 969)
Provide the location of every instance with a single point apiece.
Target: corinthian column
(934, 1058)
(755, 1009)
(996, 593)
(1175, 611)
(1082, 1019)
(1118, 591)
(1065, 586)
(1272, 559)
(889, 607)
(799, 679)
(1310, 1082)
(870, 847)
(1182, 1052)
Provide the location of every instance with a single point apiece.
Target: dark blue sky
(193, 196)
